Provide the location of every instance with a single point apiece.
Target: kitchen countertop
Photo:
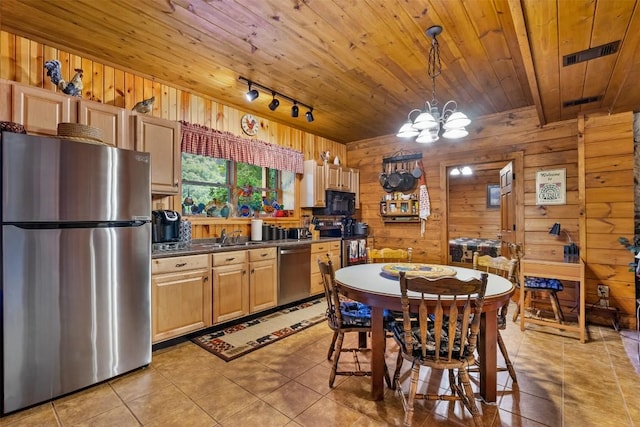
(206, 246)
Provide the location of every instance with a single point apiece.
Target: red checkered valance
(204, 141)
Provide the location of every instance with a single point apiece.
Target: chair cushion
(542, 283)
(398, 334)
(355, 313)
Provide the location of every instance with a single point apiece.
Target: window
(220, 188)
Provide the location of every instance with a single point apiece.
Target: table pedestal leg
(487, 351)
(377, 353)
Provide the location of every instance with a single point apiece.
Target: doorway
(469, 211)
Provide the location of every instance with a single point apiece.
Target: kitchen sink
(232, 244)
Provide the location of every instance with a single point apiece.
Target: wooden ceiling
(361, 64)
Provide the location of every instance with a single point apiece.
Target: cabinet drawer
(228, 258)
(322, 247)
(175, 264)
(335, 246)
(262, 254)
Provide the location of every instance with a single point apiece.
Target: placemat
(431, 271)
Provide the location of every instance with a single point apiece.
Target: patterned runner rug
(243, 338)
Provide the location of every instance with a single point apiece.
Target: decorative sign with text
(551, 187)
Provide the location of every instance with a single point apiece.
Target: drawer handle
(181, 264)
(230, 259)
(264, 255)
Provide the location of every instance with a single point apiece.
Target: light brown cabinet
(160, 138)
(40, 110)
(180, 296)
(263, 279)
(230, 286)
(320, 250)
(112, 120)
(312, 186)
(244, 282)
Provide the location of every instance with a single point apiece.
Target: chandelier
(426, 124)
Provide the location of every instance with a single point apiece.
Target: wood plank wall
(22, 61)
(493, 139)
(608, 180)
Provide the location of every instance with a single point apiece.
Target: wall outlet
(603, 294)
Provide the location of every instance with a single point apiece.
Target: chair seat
(543, 284)
(398, 334)
(355, 314)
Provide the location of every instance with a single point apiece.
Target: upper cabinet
(40, 110)
(112, 120)
(318, 178)
(312, 185)
(160, 138)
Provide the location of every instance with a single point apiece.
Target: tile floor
(560, 383)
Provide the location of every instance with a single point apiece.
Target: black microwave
(337, 203)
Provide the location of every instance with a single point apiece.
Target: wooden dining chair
(443, 337)
(537, 284)
(506, 268)
(389, 255)
(344, 316)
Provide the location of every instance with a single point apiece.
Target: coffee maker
(165, 226)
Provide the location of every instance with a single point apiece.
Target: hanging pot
(383, 176)
(417, 172)
(408, 181)
(386, 186)
(395, 179)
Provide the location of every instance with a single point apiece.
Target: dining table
(371, 285)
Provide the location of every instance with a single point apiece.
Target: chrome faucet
(223, 236)
(235, 234)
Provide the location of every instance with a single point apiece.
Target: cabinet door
(40, 110)
(161, 138)
(230, 292)
(112, 121)
(355, 185)
(333, 174)
(181, 303)
(312, 186)
(263, 285)
(345, 180)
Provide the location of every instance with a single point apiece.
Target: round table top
(370, 278)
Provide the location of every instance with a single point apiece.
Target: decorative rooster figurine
(73, 88)
(144, 106)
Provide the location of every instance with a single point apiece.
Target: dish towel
(424, 208)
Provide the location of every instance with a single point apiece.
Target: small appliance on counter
(165, 226)
(298, 233)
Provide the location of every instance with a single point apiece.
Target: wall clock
(249, 124)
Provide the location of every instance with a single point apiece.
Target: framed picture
(551, 187)
(493, 196)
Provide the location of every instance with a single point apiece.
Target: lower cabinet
(230, 285)
(244, 282)
(263, 279)
(320, 250)
(180, 296)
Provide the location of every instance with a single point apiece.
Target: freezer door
(76, 309)
(56, 180)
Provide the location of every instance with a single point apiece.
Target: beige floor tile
(260, 414)
(292, 398)
(159, 404)
(120, 416)
(185, 415)
(79, 407)
(317, 379)
(41, 415)
(139, 383)
(326, 412)
(226, 401)
(545, 411)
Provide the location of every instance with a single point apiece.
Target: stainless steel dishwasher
(294, 267)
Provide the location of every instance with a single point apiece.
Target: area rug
(243, 338)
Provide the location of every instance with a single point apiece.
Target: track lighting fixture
(252, 94)
(274, 103)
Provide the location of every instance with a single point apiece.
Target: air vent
(581, 101)
(594, 52)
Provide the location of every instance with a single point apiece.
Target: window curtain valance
(204, 141)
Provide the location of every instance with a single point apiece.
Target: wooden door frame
(517, 157)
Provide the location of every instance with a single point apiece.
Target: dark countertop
(207, 246)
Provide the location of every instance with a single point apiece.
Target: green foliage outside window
(216, 187)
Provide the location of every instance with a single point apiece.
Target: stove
(169, 246)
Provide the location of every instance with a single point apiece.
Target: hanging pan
(408, 181)
(387, 186)
(395, 179)
(417, 172)
(383, 176)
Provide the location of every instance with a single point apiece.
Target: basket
(79, 132)
(12, 127)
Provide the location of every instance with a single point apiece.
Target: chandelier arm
(446, 110)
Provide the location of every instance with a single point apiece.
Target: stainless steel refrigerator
(76, 266)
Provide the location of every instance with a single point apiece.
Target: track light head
(274, 103)
(252, 94)
(295, 110)
(309, 115)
